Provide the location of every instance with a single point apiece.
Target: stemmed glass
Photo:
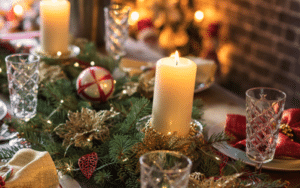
(116, 29)
(264, 107)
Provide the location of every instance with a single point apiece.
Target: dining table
(218, 102)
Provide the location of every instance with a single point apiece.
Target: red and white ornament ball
(95, 84)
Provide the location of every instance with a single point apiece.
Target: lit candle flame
(176, 57)
(54, 1)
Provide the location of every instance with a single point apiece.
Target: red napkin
(236, 127)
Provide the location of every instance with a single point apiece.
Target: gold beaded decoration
(286, 129)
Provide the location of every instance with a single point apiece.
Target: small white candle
(55, 18)
(173, 95)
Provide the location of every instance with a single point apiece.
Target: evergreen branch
(54, 111)
(8, 152)
(120, 147)
(217, 139)
(102, 177)
(136, 112)
(197, 111)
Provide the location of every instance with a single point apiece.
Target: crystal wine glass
(116, 29)
(264, 108)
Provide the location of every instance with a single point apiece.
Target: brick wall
(265, 36)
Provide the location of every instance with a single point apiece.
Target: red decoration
(213, 30)
(6, 47)
(236, 127)
(2, 183)
(95, 84)
(88, 163)
(147, 33)
(10, 16)
(145, 23)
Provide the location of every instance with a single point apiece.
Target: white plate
(74, 51)
(276, 164)
(203, 86)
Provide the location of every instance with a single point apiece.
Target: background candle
(55, 18)
(173, 95)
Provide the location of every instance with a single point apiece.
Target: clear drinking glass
(23, 75)
(264, 107)
(166, 169)
(116, 29)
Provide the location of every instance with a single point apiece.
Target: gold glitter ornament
(50, 73)
(146, 83)
(82, 127)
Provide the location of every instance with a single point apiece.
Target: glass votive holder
(23, 76)
(164, 168)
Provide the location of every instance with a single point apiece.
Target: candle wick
(176, 62)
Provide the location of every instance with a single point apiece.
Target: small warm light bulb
(59, 53)
(18, 10)
(134, 16)
(176, 57)
(115, 81)
(76, 64)
(0, 70)
(92, 63)
(62, 101)
(199, 15)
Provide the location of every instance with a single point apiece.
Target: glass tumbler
(166, 169)
(264, 108)
(23, 75)
(116, 29)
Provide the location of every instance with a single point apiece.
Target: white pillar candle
(173, 95)
(55, 18)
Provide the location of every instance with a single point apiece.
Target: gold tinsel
(50, 73)
(154, 140)
(198, 180)
(82, 127)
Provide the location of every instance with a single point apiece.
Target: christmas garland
(99, 143)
